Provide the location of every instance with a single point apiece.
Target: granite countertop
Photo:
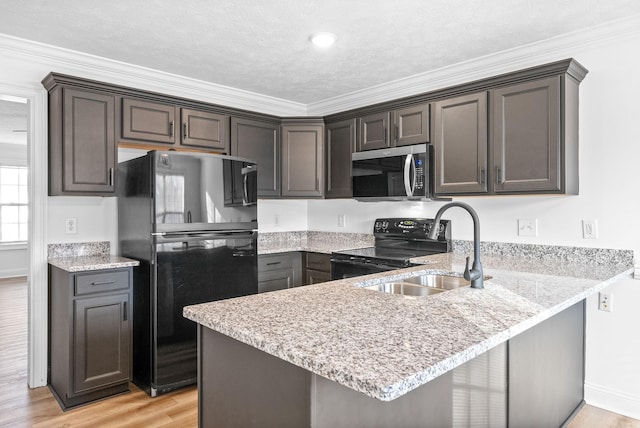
(386, 345)
(92, 262)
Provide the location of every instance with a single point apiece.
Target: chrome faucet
(475, 274)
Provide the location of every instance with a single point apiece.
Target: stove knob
(378, 225)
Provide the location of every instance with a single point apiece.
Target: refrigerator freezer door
(203, 192)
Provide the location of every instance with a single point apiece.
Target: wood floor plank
(23, 407)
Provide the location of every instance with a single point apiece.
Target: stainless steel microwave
(397, 173)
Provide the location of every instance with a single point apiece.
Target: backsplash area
(77, 249)
(599, 256)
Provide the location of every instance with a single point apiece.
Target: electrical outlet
(527, 227)
(71, 225)
(342, 220)
(589, 229)
(605, 302)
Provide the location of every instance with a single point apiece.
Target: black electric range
(397, 240)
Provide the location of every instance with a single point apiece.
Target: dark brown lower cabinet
(89, 334)
(279, 271)
(317, 268)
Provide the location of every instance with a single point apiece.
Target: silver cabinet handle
(124, 311)
(110, 176)
(103, 282)
(483, 175)
(499, 179)
(171, 128)
(185, 130)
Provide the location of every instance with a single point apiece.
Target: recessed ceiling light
(323, 40)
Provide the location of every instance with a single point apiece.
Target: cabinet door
(460, 145)
(89, 149)
(302, 160)
(373, 131)
(526, 136)
(316, 276)
(341, 138)
(205, 130)
(101, 341)
(259, 141)
(147, 121)
(411, 125)
(276, 280)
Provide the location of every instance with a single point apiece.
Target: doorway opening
(14, 239)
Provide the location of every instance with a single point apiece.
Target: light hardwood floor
(24, 407)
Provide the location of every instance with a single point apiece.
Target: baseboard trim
(612, 400)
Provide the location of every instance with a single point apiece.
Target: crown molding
(526, 56)
(53, 58)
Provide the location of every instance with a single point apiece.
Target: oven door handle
(366, 264)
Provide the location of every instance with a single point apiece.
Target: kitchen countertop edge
(90, 263)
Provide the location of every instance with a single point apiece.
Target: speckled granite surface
(386, 345)
(318, 242)
(83, 256)
(74, 249)
(85, 263)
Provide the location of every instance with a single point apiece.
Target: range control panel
(410, 228)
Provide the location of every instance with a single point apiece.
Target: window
(14, 204)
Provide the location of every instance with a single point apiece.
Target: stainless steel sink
(423, 285)
(404, 288)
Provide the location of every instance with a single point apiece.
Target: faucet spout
(475, 274)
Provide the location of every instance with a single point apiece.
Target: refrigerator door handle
(227, 234)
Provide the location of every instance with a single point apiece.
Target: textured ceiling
(263, 47)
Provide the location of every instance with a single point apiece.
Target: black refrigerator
(191, 221)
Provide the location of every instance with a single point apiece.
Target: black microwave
(397, 173)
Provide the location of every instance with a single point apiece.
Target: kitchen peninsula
(336, 354)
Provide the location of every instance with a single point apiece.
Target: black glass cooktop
(384, 254)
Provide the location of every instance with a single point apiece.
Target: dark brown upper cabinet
(259, 141)
(158, 123)
(204, 129)
(373, 131)
(82, 147)
(401, 127)
(302, 160)
(148, 121)
(527, 139)
(340, 143)
(532, 137)
(460, 144)
(411, 125)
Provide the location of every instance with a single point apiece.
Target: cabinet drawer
(318, 261)
(274, 262)
(101, 282)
